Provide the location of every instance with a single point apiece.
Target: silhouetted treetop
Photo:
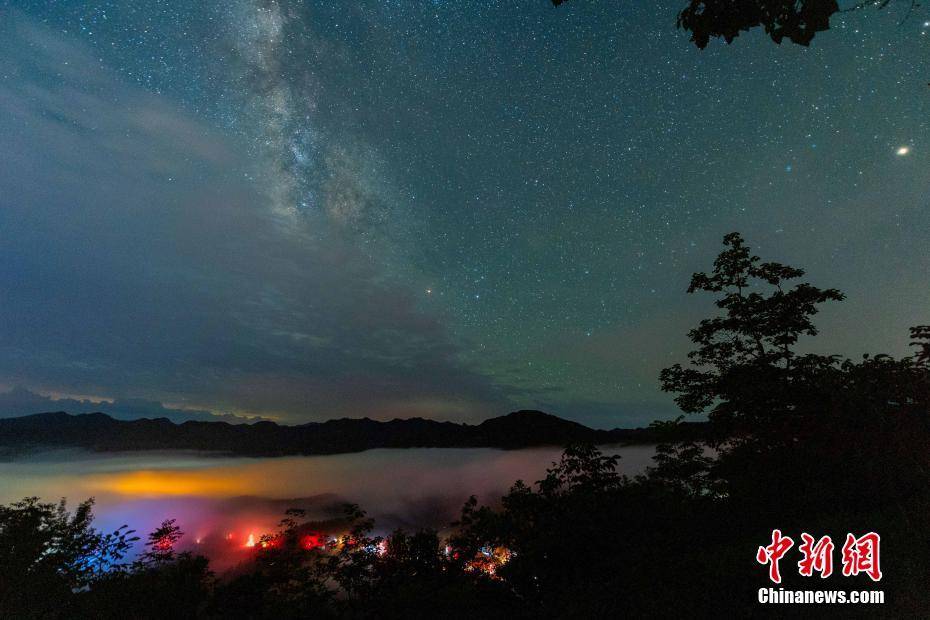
(921, 336)
(745, 361)
(161, 543)
(795, 20)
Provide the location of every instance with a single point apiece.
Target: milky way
(309, 209)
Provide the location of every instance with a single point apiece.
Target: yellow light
(903, 150)
(166, 482)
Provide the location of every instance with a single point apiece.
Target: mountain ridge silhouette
(101, 432)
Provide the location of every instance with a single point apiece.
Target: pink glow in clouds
(221, 501)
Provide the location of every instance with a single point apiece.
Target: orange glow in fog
(168, 482)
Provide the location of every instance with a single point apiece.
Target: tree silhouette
(161, 543)
(818, 429)
(746, 369)
(47, 553)
(160, 583)
(921, 336)
(796, 20)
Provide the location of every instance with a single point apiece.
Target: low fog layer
(222, 501)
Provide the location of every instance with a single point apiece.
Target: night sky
(307, 210)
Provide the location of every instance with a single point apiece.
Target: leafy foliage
(160, 583)
(746, 367)
(46, 552)
(781, 417)
(795, 20)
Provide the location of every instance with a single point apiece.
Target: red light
(312, 541)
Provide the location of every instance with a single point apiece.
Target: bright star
(902, 151)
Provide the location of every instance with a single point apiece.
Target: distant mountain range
(100, 432)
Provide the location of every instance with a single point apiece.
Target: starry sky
(307, 210)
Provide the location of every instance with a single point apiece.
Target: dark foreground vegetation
(797, 21)
(800, 442)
